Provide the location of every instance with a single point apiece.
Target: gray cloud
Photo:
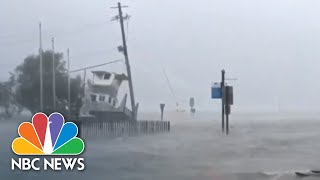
(272, 47)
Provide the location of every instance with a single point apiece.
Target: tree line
(22, 89)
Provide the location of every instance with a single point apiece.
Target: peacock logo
(48, 136)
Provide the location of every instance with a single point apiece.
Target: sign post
(192, 109)
(225, 93)
(228, 103)
(162, 109)
(223, 97)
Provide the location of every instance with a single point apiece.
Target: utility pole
(53, 77)
(227, 121)
(125, 52)
(40, 57)
(223, 96)
(69, 98)
(228, 103)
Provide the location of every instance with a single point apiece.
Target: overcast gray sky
(271, 46)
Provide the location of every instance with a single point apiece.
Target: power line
(169, 84)
(91, 67)
(94, 53)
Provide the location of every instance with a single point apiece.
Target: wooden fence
(102, 129)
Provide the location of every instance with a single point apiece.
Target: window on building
(102, 98)
(114, 103)
(109, 100)
(106, 76)
(93, 97)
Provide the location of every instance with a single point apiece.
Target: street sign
(229, 95)
(216, 92)
(191, 102)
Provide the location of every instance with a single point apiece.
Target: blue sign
(216, 91)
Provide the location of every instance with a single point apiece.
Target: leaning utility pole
(53, 77)
(40, 57)
(125, 52)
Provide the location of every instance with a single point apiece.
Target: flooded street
(259, 147)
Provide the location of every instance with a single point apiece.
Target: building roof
(117, 76)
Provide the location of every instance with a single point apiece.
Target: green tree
(8, 104)
(28, 83)
(5, 98)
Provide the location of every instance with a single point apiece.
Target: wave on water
(275, 175)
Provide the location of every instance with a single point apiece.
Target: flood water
(260, 146)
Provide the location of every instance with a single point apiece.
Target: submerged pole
(69, 95)
(41, 78)
(223, 98)
(227, 124)
(53, 77)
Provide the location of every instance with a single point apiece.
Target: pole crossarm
(91, 67)
(116, 7)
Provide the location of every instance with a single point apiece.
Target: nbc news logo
(48, 136)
